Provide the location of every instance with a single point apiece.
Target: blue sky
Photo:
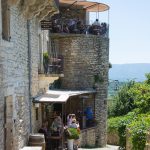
(129, 30)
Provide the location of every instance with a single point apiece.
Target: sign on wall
(46, 25)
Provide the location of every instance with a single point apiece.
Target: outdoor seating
(56, 142)
(77, 27)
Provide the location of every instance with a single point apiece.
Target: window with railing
(55, 65)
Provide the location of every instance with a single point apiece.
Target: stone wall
(112, 138)
(14, 79)
(87, 56)
(1, 106)
(87, 137)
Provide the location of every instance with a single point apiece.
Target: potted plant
(72, 134)
(45, 62)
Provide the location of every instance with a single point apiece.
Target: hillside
(124, 72)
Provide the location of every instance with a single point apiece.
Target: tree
(148, 78)
(123, 101)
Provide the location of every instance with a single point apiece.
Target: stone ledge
(88, 128)
(66, 35)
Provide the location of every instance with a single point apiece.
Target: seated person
(65, 29)
(103, 28)
(57, 126)
(43, 129)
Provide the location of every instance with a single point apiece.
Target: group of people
(57, 127)
(76, 26)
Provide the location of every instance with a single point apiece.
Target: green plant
(110, 65)
(73, 133)
(138, 130)
(133, 101)
(45, 56)
(45, 62)
(147, 78)
(118, 125)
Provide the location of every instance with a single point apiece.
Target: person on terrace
(96, 23)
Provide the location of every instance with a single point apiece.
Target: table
(56, 142)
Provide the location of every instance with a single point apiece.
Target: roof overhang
(57, 96)
(87, 5)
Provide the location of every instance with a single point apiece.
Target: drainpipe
(29, 71)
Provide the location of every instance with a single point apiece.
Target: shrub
(123, 101)
(138, 130)
(119, 124)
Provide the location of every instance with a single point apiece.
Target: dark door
(8, 118)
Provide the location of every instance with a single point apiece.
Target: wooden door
(8, 118)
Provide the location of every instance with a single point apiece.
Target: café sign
(46, 25)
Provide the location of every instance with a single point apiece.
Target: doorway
(8, 123)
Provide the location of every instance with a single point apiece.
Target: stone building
(86, 57)
(85, 66)
(21, 43)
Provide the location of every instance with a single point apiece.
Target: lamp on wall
(36, 105)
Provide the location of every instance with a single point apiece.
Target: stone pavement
(108, 147)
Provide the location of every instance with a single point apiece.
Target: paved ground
(108, 147)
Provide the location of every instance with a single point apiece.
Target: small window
(5, 20)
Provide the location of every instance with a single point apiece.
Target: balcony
(71, 34)
(73, 26)
(52, 66)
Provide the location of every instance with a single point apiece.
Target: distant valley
(125, 72)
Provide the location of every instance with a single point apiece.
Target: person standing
(96, 23)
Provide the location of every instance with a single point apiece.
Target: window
(5, 20)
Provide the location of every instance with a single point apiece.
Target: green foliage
(138, 125)
(113, 124)
(73, 133)
(135, 99)
(123, 102)
(110, 65)
(118, 125)
(131, 96)
(148, 78)
(45, 57)
(140, 93)
(123, 123)
(138, 130)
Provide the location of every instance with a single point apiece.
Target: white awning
(58, 96)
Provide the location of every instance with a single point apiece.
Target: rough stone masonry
(84, 57)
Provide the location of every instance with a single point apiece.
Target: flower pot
(70, 144)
